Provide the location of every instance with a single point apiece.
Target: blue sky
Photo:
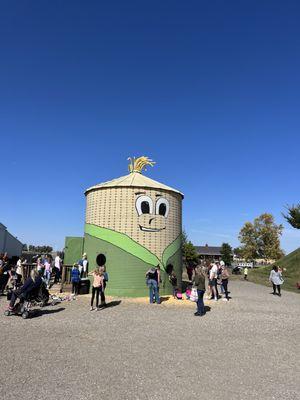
(209, 90)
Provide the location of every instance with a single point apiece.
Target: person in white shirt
(85, 265)
(276, 279)
(19, 270)
(57, 265)
(213, 274)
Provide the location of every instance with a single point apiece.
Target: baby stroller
(36, 297)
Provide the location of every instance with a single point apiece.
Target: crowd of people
(216, 274)
(17, 278)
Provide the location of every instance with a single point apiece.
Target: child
(98, 286)
(188, 292)
(173, 281)
(75, 279)
(47, 273)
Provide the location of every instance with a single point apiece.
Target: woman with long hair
(276, 279)
(33, 282)
(97, 287)
(199, 283)
(224, 279)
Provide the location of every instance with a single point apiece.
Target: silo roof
(134, 179)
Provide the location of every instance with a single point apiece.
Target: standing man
(246, 273)
(85, 265)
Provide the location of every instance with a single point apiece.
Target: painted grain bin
(133, 223)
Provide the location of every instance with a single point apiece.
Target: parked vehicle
(237, 270)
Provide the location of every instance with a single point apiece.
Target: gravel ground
(245, 349)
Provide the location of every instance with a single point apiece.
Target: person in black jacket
(151, 281)
(4, 276)
(32, 283)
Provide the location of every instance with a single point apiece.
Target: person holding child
(98, 286)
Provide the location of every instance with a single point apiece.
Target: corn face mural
(135, 223)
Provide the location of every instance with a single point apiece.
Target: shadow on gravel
(207, 308)
(40, 312)
(113, 303)
(164, 298)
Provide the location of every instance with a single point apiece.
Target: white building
(8, 243)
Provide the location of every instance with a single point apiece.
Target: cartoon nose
(150, 220)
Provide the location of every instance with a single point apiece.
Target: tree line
(45, 249)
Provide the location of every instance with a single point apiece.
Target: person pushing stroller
(32, 283)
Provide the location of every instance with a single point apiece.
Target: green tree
(189, 252)
(261, 239)
(293, 215)
(248, 239)
(226, 253)
(238, 252)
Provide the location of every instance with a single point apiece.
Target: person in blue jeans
(75, 279)
(199, 283)
(152, 283)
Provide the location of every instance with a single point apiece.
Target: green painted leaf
(171, 249)
(124, 242)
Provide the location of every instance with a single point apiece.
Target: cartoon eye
(144, 205)
(162, 207)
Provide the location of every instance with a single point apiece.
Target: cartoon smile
(143, 228)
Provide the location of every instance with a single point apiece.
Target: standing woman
(40, 267)
(199, 283)
(105, 279)
(97, 286)
(19, 271)
(224, 278)
(276, 279)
